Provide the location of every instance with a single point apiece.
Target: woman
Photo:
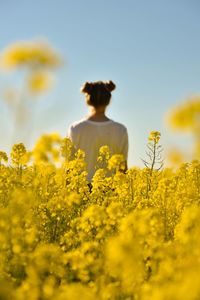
(96, 130)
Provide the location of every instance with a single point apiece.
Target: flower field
(134, 235)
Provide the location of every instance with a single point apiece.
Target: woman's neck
(97, 114)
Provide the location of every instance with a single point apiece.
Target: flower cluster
(33, 53)
(126, 235)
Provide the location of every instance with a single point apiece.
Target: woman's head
(98, 93)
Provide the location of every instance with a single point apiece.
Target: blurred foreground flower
(39, 81)
(175, 157)
(29, 53)
(38, 60)
(186, 118)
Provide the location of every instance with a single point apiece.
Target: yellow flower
(175, 157)
(19, 154)
(154, 136)
(3, 156)
(116, 162)
(135, 236)
(186, 116)
(32, 53)
(39, 81)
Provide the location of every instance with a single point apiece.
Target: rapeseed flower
(39, 81)
(31, 53)
(134, 236)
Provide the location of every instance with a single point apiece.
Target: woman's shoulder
(77, 124)
(119, 125)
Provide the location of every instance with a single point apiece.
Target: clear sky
(150, 49)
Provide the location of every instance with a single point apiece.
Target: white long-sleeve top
(89, 136)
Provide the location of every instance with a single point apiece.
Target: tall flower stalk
(38, 61)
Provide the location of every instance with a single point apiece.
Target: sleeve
(124, 145)
(71, 134)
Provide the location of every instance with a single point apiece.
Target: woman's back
(91, 135)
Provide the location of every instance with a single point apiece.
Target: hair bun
(87, 87)
(110, 85)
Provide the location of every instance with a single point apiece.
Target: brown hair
(98, 93)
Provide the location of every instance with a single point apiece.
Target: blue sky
(150, 49)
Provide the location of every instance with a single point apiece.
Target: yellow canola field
(134, 235)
